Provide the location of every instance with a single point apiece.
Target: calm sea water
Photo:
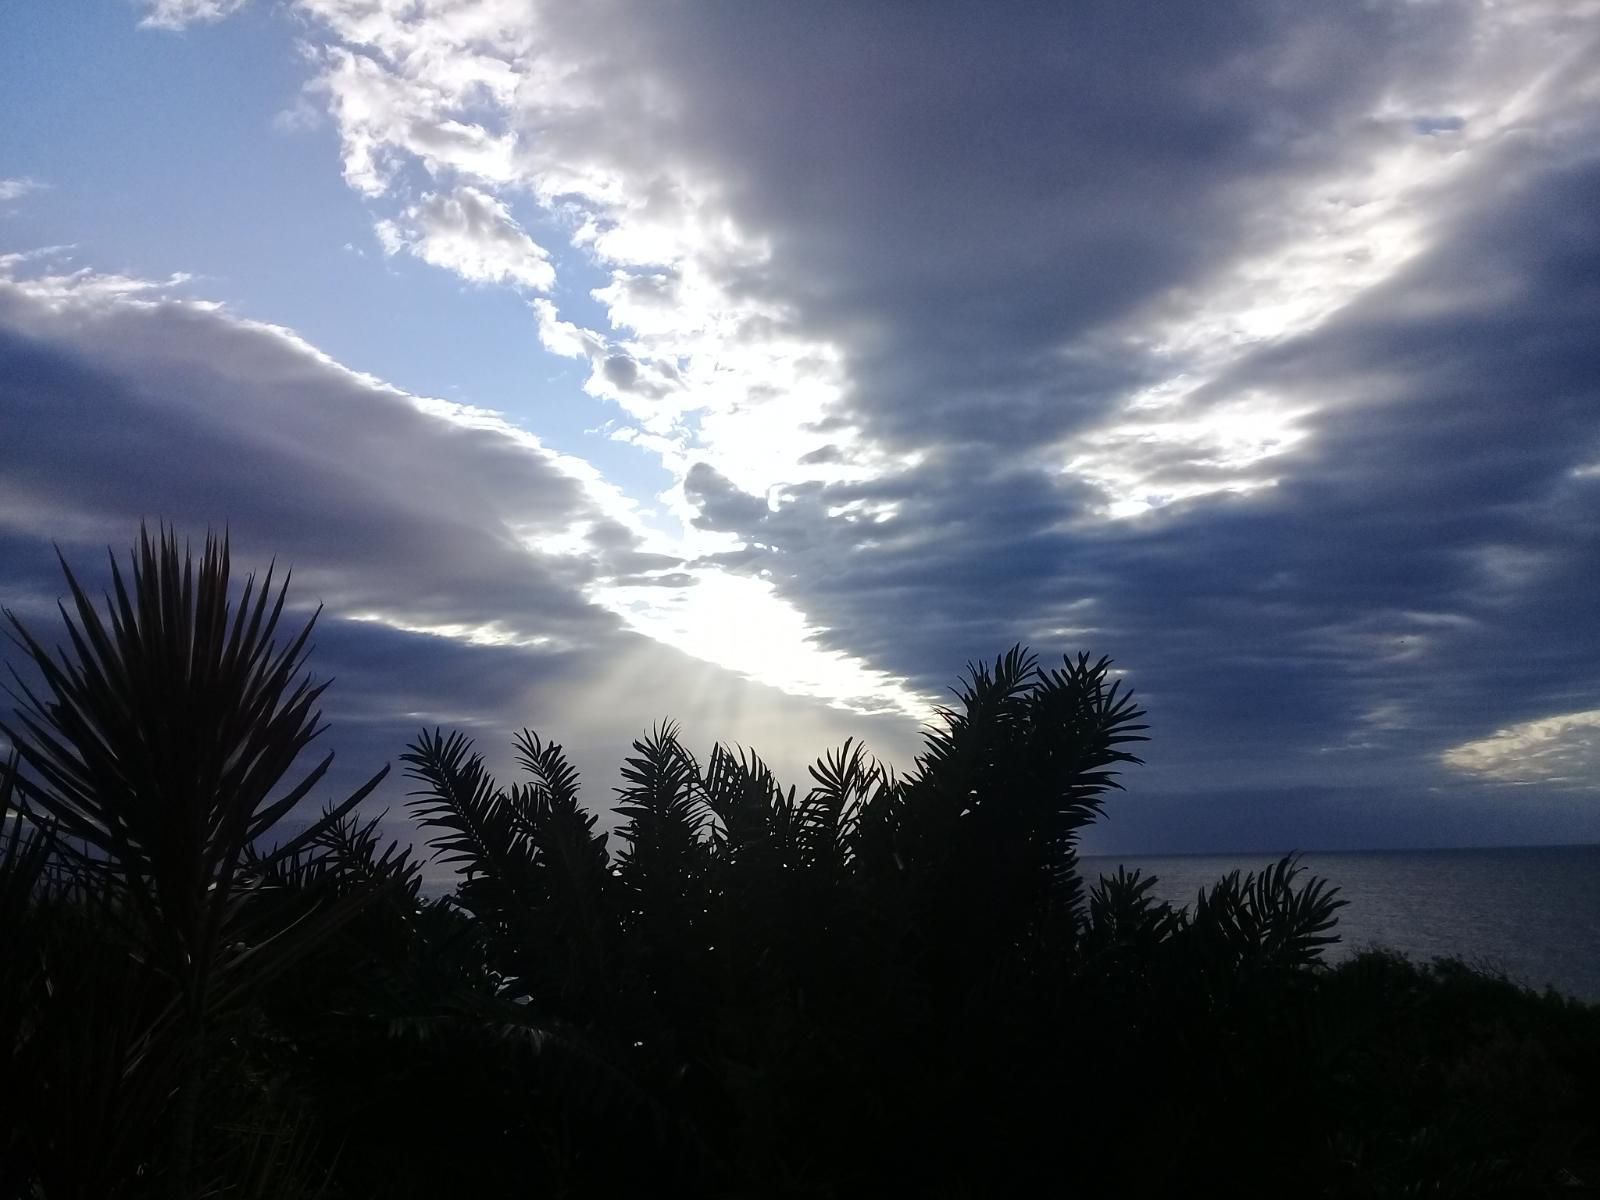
(1532, 913)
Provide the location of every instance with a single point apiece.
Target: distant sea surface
(1531, 913)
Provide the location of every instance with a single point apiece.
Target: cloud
(129, 388)
(1417, 573)
(1250, 344)
(176, 15)
(720, 504)
(15, 189)
(1206, 340)
(452, 552)
(1557, 750)
(472, 234)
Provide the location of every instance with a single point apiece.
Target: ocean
(1533, 913)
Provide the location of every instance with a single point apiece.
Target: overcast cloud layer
(1250, 343)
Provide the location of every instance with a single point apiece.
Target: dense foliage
(879, 985)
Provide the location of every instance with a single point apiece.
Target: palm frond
(1124, 915)
(572, 876)
(1007, 781)
(846, 781)
(740, 792)
(480, 829)
(1263, 921)
(664, 814)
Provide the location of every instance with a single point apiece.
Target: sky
(760, 366)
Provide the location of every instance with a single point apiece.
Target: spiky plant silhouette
(155, 752)
(883, 983)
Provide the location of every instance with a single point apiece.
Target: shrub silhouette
(882, 984)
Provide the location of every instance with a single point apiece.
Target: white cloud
(62, 290)
(565, 338)
(408, 99)
(180, 14)
(504, 95)
(301, 116)
(472, 234)
(1562, 750)
(15, 189)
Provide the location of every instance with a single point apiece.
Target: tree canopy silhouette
(884, 983)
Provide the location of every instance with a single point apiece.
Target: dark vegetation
(874, 985)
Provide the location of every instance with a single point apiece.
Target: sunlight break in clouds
(1341, 235)
(727, 621)
(737, 622)
(1555, 751)
(713, 350)
(692, 364)
(450, 550)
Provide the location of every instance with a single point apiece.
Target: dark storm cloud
(1446, 473)
(967, 202)
(721, 504)
(241, 428)
(822, 454)
(1421, 575)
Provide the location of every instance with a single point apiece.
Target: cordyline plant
(155, 755)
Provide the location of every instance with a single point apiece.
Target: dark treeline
(869, 985)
